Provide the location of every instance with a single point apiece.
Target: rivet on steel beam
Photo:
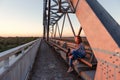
(113, 61)
(109, 70)
(118, 71)
(110, 57)
(116, 66)
(117, 59)
(112, 75)
(114, 55)
(105, 61)
(118, 54)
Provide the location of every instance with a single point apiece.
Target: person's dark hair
(79, 39)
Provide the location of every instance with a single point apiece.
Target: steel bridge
(45, 58)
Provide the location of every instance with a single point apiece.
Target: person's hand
(68, 50)
(71, 56)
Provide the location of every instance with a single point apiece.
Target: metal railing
(16, 63)
(65, 45)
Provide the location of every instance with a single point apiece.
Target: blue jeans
(76, 55)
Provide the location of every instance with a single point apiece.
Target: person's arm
(80, 47)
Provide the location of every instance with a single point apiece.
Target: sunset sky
(24, 17)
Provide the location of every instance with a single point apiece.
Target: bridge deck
(50, 66)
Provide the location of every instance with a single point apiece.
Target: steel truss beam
(53, 11)
(103, 34)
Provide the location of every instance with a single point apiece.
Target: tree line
(11, 42)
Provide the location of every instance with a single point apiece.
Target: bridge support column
(100, 39)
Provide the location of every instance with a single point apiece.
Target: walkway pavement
(50, 66)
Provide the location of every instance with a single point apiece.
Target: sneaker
(70, 69)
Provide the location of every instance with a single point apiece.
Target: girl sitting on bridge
(79, 52)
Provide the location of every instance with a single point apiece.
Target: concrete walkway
(50, 66)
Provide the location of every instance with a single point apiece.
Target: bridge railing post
(6, 63)
(23, 51)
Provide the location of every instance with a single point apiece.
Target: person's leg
(68, 54)
(74, 53)
(72, 57)
(70, 64)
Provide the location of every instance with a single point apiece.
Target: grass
(11, 42)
